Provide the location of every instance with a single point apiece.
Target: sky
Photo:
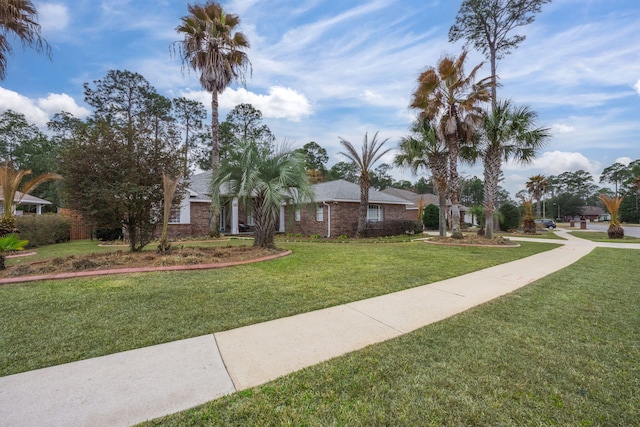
(324, 69)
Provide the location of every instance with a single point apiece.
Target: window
(297, 214)
(374, 213)
(174, 214)
(250, 221)
(319, 212)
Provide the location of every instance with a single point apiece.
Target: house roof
(592, 210)
(27, 199)
(199, 187)
(345, 191)
(429, 199)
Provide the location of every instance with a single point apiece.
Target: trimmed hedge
(431, 217)
(44, 229)
(392, 228)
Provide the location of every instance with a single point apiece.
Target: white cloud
(57, 102)
(53, 17)
(279, 103)
(624, 160)
(10, 100)
(560, 128)
(637, 87)
(39, 112)
(557, 162)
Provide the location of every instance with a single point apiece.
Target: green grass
(52, 322)
(562, 351)
(540, 234)
(602, 236)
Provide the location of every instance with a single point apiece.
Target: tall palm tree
(537, 186)
(507, 133)
(364, 162)
(425, 150)
(13, 190)
(263, 183)
(213, 47)
(18, 18)
(452, 101)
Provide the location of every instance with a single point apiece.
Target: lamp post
(557, 204)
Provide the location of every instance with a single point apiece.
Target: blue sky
(324, 69)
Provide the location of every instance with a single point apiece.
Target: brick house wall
(198, 226)
(344, 219)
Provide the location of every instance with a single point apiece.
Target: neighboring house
(427, 199)
(595, 213)
(26, 200)
(335, 210)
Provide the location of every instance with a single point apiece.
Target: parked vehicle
(546, 223)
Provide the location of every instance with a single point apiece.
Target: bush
(109, 234)
(510, 217)
(45, 229)
(431, 217)
(392, 228)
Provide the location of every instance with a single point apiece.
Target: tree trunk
(214, 225)
(265, 226)
(365, 183)
(492, 163)
(442, 214)
(454, 187)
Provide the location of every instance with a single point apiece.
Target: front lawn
(602, 236)
(53, 322)
(561, 351)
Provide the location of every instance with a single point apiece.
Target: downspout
(329, 218)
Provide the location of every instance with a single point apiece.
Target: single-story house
(595, 213)
(426, 200)
(25, 199)
(334, 211)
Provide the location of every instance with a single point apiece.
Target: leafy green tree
(315, 157)
(508, 132)
(615, 174)
(371, 152)
(343, 170)
(403, 184)
(452, 101)
(431, 217)
(28, 148)
(380, 177)
(579, 183)
(488, 26)
(212, 46)
(190, 114)
(424, 149)
(245, 123)
(263, 183)
(19, 19)
(424, 186)
(113, 163)
(471, 191)
(510, 217)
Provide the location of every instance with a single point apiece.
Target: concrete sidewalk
(130, 387)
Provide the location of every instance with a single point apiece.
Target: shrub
(109, 234)
(45, 229)
(392, 228)
(510, 217)
(431, 217)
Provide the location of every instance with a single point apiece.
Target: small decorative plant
(9, 243)
(613, 206)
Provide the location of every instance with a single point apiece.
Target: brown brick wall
(199, 225)
(344, 219)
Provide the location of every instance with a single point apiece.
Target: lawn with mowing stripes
(561, 351)
(53, 322)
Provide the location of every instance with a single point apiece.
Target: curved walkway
(130, 387)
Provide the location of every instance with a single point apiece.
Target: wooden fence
(80, 230)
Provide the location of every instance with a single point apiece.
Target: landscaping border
(58, 276)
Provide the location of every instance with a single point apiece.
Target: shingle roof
(28, 199)
(345, 191)
(429, 199)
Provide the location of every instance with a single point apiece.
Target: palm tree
(507, 133)
(262, 183)
(18, 18)
(212, 46)
(13, 192)
(169, 186)
(364, 162)
(537, 186)
(451, 100)
(10, 243)
(613, 206)
(425, 150)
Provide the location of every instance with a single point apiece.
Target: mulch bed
(183, 256)
(469, 240)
